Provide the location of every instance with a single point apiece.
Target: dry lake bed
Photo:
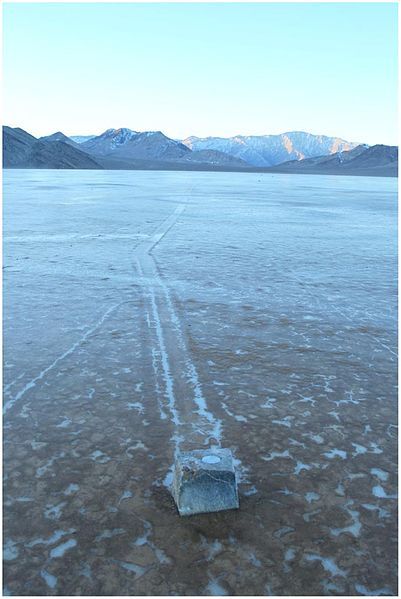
(151, 312)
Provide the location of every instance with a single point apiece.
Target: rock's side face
(204, 481)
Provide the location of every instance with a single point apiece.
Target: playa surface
(152, 312)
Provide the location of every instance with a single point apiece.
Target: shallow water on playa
(148, 312)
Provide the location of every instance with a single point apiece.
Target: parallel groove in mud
(194, 423)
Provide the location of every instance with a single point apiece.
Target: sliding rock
(204, 481)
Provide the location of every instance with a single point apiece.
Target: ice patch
(375, 448)
(289, 554)
(138, 570)
(100, 457)
(238, 418)
(328, 564)
(359, 449)
(335, 453)
(212, 548)
(72, 488)
(340, 490)
(60, 550)
(255, 561)
(109, 534)
(284, 421)
(49, 579)
(269, 590)
(335, 415)
(136, 405)
(10, 551)
(269, 404)
(138, 445)
(215, 589)
(281, 532)
(308, 515)
(241, 471)
(378, 491)
(144, 540)
(301, 466)
(316, 438)
(354, 528)
(56, 536)
(297, 443)
(377, 592)
(64, 424)
(37, 445)
(125, 495)
(382, 512)
(86, 571)
(331, 586)
(311, 496)
(353, 475)
(53, 512)
(381, 474)
(277, 454)
(41, 471)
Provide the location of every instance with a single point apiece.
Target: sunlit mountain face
(269, 150)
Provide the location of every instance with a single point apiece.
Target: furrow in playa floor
(176, 375)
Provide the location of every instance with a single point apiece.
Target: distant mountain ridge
(22, 150)
(152, 150)
(59, 137)
(255, 150)
(128, 145)
(79, 139)
(269, 150)
(125, 143)
(376, 160)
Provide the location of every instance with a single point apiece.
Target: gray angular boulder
(204, 481)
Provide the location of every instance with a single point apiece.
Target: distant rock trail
(176, 375)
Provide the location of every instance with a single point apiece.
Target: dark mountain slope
(59, 136)
(22, 150)
(57, 154)
(214, 157)
(152, 145)
(378, 160)
(17, 144)
(108, 141)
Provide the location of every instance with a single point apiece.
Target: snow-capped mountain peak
(109, 140)
(269, 150)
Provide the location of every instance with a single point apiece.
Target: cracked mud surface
(146, 313)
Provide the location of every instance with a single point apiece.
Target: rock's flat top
(208, 459)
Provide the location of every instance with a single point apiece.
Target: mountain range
(22, 150)
(378, 160)
(291, 152)
(269, 150)
(127, 145)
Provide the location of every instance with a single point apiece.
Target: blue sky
(202, 69)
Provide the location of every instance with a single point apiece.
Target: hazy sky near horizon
(202, 69)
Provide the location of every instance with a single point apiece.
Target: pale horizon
(207, 70)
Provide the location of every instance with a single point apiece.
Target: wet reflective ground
(148, 312)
